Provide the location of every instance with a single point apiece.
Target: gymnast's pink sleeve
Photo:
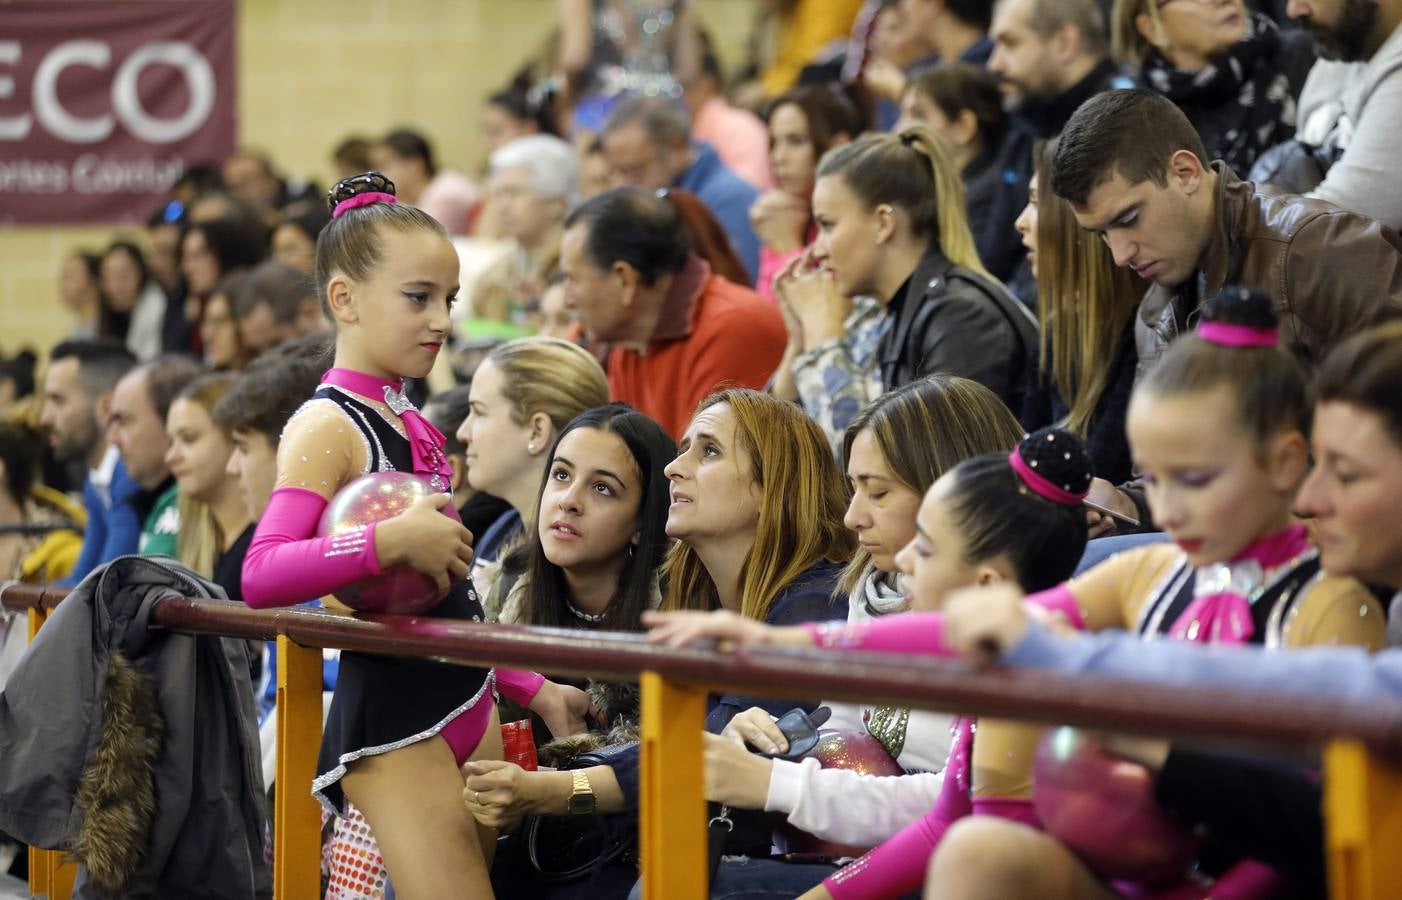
(897, 866)
(519, 686)
(920, 632)
(1059, 599)
(287, 564)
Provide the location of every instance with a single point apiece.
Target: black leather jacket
(949, 319)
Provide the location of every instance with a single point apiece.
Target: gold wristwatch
(582, 800)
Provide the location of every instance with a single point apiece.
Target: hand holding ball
(857, 752)
(422, 545)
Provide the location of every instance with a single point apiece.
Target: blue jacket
(729, 198)
(1350, 674)
(113, 527)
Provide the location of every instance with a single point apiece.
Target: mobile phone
(1105, 511)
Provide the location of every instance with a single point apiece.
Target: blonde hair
(913, 171)
(802, 500)
(548, 375)
(1128, 45)
(1086, 301)
(200, 541)
(923, 430)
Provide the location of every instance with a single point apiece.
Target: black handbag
(559, 849)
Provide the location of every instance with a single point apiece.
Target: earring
(630, 551)
(530, 448)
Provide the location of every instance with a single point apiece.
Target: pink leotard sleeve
(519, 686)
(1059, 599)
(905, 633)
(287, 564)
(897, 867)
(922, 632)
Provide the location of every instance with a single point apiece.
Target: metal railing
(1362, 744)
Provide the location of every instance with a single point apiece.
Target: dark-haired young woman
(135, 306)
(600, 522)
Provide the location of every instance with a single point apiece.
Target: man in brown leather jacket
(1135, 171)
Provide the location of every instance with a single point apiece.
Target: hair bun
(1060, 458)
(356, 185)
(1237, 305)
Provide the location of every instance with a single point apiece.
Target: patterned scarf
(1246, 75)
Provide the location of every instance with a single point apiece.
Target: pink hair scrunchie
(369, 198)
(1229, 334)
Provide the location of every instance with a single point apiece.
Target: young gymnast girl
(1217, 427)
(398, 729)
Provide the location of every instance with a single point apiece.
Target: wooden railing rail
(1363, 742)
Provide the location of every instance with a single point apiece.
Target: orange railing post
(49, 874)
(1363, 822)
(672, 824)
(297, 816)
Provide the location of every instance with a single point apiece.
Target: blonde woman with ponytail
(891, 223)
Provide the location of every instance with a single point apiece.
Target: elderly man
(534, 182)
(678, 331)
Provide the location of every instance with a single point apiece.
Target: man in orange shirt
(677, 332)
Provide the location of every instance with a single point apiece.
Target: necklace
(583, 616)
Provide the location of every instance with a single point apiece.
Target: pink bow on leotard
(425, 441)
(1221, 611)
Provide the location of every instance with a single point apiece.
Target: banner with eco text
(104, 104)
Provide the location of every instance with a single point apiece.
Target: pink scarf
(1221, 611)
(425, 441)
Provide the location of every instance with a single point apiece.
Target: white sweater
(1357, 107)
(846, 807)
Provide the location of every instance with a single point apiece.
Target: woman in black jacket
(889, 210)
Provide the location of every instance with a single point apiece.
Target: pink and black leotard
(381, 703)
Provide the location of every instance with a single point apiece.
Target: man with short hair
(678, 332)
(1135, 172)
(1050, 56)
(1351, 106)
(647, 143)
(77, 401)
(140, 402)
(276, 304)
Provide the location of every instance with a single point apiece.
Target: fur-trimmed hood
(136, 749)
